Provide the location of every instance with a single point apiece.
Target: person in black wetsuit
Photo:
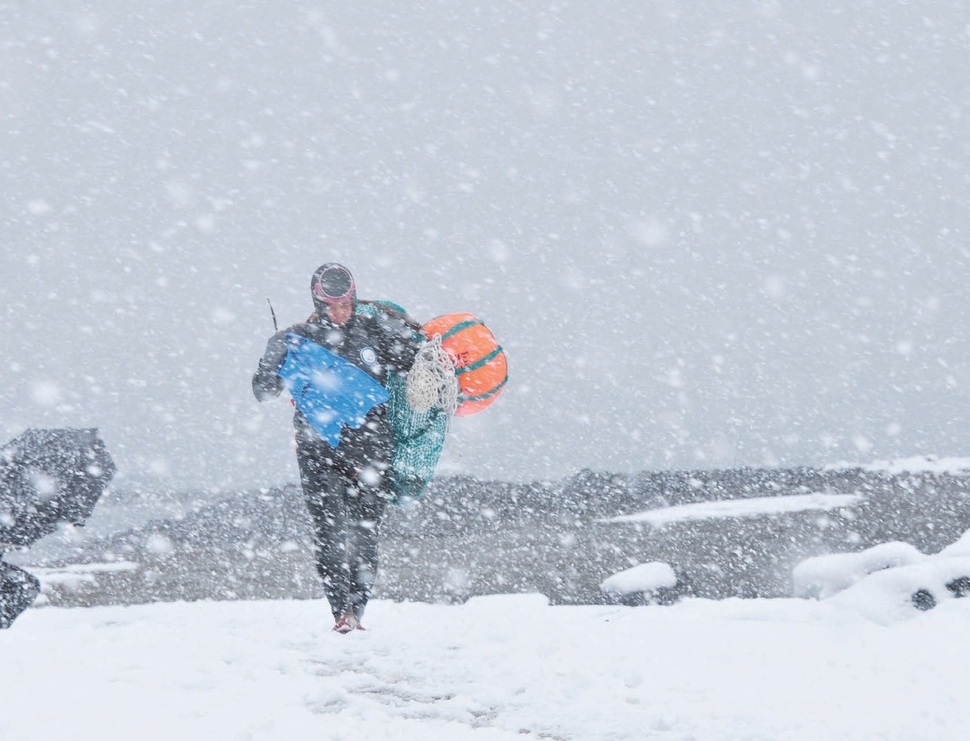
(345, 486)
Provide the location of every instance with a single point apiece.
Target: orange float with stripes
(480, 362)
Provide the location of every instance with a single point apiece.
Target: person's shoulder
(305, 326)
(386, 313)
(300, 329)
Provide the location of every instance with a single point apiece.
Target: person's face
(340, 312)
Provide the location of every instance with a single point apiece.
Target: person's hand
(266, 382)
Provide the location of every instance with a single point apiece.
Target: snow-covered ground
(504, 667)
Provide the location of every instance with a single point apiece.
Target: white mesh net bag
(432, 381)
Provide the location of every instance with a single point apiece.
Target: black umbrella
(48, 477)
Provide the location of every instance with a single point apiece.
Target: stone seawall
(468, 537)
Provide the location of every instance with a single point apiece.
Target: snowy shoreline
(733, 533)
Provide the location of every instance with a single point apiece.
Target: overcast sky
(707, 234)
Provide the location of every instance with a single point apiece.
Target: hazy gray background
(708, 234)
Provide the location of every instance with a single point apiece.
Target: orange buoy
(480, 363)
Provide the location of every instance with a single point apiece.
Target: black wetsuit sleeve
(266, 383)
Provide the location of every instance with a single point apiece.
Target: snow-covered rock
(823, 576)
(646, 577)
(906, 591)
(645, 583)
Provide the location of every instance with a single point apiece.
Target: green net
(419, 437)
